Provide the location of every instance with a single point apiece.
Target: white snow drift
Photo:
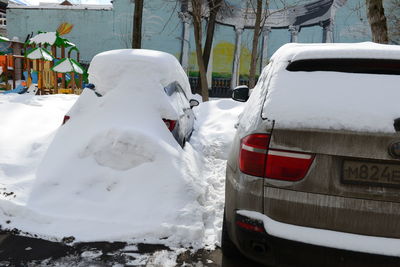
(114, 171)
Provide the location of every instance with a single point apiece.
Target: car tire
(228, 248)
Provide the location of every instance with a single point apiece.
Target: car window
(252, 111)
(170, 88)
(348, 65)
(182, 97)
(177, 97)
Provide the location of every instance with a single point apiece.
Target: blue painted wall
(100, 30)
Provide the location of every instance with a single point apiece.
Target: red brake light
(66, 118)
(257, 159)
(253, 152)
(250, 227)
(287, 165)
(170, 124)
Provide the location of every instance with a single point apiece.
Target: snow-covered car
(316, 157)
(178, 92)
(114, 171)
(181, 128)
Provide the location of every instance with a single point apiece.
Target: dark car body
(183, 127)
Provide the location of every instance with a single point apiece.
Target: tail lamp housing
(66, 118)
(170, 124)
(257, 159)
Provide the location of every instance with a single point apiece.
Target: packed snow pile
(212, 140)
(114, 170)
(28, 125)
(332, 100)
(98, 195)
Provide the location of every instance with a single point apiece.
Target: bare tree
(197, 15)
(377, 20)
(137, 24)
(214, 7)
(254, 51)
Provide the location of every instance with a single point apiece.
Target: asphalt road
(17, 250)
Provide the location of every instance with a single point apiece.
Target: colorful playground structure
(43, 65)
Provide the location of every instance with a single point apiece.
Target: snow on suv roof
(296, 51)
(332, 92)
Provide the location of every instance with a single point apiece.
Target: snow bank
(212, 139)
(97, 194)
(332, 100)
(114, 171)
(28, 123)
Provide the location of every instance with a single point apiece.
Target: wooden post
(28, 69)
(80, 81)
(41, 80)
(13, 70)
(72, 82)
(55, 82)
(63, 75)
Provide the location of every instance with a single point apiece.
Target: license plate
(371, 173)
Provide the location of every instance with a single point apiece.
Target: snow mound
(212, 140)
(151, 64)
(121, 150)
(114, 170)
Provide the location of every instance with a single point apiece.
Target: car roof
(367, 50)
(163, 67)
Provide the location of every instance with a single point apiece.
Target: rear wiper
(92, 87)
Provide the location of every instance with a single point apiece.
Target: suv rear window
(349, 65)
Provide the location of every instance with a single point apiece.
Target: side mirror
(193, 103)
(241, 93)
(92, 87)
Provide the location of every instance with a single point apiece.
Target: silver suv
(315, 162)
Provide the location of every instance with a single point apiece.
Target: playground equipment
(43, 68)
(56, 75)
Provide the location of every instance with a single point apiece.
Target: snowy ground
(30, 123)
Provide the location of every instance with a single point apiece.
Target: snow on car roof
(330, 99)
(296, 51)
(107, 67)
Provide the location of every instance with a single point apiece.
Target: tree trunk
(137, 24)
(377, 21)
(196, 6)
(254, 51)
(214, 6)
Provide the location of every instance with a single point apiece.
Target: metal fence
(220, 87)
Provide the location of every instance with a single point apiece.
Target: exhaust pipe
(258, 247)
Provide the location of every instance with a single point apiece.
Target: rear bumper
(290, 245)
(326, 238)
(363, 217)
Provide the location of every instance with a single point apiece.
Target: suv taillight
(66, 118)
(257, 159)
(170, 124)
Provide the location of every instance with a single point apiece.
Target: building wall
(100, 30)
(94, 30)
